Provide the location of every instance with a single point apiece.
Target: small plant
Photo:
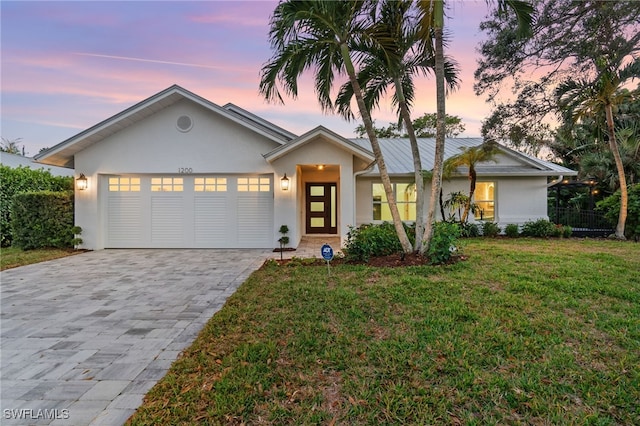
(469, 230)
(512, 230)
(539, 228)
(567, 231)
(490, 229)
(443, 242)
(284, 240)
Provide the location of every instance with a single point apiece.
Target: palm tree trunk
(624, 195)
(417, 165)
(436, 182)
(377, 152)
(472, 189)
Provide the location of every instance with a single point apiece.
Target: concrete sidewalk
(85, 337)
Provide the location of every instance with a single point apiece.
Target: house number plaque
(185, 170)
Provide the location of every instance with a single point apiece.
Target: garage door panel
(183, 211)
(255, 220)
(124, 222)
(210, 221)
(167, 221)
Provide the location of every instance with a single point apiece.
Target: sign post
(327, 254)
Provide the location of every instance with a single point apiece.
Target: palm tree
(584, 98)
(470, 157)
(432, 28)
(395, 63)
(319, 35)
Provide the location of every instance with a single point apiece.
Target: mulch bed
(390, 261)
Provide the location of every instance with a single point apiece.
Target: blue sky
(66, 66)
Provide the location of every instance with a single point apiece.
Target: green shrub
(372, 240)
(443, 243)
(23, 179)
(43, 219)
(567, 231)
(539, 228)
(512, 230)
(469, 230)
(610, 207)
(557, 231)
(490, 229)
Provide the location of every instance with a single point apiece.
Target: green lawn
(523, 332)
(11, 257)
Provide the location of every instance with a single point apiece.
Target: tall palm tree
(585, 98)
(432, 28)
(395, 63)
(470, 157)
(318, 35)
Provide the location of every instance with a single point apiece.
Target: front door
(321, 208)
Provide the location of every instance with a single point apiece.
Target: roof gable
(326, 134)
(258, 121)
(63, 153)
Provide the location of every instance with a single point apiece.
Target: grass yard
(11, 257)
(523, 332)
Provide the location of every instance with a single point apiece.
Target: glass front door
(321, 208)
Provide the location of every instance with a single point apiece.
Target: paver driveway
(86, 336)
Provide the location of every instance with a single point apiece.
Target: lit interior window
(210, 184)
(124, 184)
(167, 184)
(254, 184)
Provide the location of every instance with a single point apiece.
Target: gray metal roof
(399, 161)
(14, 161)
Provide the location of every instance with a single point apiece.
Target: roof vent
(184, 123)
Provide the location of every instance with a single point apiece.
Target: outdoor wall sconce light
(284, 183)
(82, 182)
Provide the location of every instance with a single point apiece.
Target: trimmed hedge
(43, 219)
(24, 179)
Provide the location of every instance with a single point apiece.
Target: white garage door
(188, 211)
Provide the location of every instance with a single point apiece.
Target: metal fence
(583, 222)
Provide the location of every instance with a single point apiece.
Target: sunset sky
(66, 66)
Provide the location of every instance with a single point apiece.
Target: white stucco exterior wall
(518, 199)
(290, 208)
(156, 146)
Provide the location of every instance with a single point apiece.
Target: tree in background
(12, 146)
(591, 98)
(567, 40)
(424, 127)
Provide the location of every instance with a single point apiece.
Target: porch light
(284, 183)
(82, 182)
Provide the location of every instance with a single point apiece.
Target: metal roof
(14, 161)
(399, 161)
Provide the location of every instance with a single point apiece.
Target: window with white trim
(484, 197)
(124, 184)
(405, 195)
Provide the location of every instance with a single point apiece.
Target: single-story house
(178, 171)
(14, 161)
